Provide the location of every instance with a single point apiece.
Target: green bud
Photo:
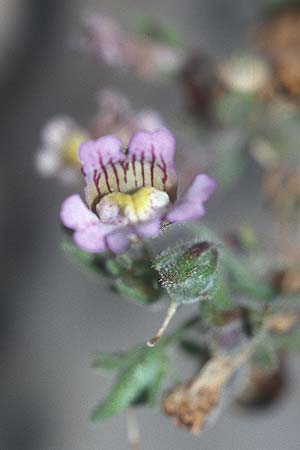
(188, 272)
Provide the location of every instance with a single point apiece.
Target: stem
(133, 434)
(246, 321)
(170, 313)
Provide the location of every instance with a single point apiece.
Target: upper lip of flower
(136, 185)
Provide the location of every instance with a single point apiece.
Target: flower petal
(119, 240)
(153, 155)
(56, 130)
(161, 142)
(94, 155)
(75, 215)
(98, 159)
(93, 238)
(190, 205)
(149, 229)
(47, 161)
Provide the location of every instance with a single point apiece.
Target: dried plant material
(192, 404)
(291, 281)
(261, 388)
(281, 188)
(202, 86)
(287, 281)
(281, 322)
(279, 38)
(288, 72)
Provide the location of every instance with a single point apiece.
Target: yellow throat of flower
(142, 205)
(70, 149)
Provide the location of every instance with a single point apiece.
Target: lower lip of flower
(122, 208)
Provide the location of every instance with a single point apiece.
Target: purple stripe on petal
(160, 143)
(190, 205)
(75, 215)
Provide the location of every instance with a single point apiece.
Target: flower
(245, 73)
(117, 116)
(61, 136)
(119, 48)
(58, 154)
(131, 194)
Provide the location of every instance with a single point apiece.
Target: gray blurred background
(53, 318)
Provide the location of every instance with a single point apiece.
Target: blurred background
(53, 318)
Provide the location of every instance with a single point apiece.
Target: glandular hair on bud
(188, 271)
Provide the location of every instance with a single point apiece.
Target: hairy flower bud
(188, 272)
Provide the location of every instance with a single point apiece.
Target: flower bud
(188, 272)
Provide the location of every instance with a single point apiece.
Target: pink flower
(57, 156)
(58, 152)
(120, 48)
(117, 116)
(130, 195)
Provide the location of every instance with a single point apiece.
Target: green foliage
(115, 361)
(161, 32)
(243, 280)
(140, 376)
(248, 238)
(188, 271)
(236, 274)
(90, 262)
(230, 155)
(134, 277)
(265, 356)
(290, 341)
(192, 348)
(130, 274)
(238, 109)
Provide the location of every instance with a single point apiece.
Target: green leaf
(134, 277)
(138, 290)
(236, 273)
(230, 155)
(222, 298)
(237, 109)
(155, 388)
(130, 274)
(131, 383)
(290, 341)
(242, 280)
(265, 356)
(88, 261)
(194, 349)
(114, 361)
